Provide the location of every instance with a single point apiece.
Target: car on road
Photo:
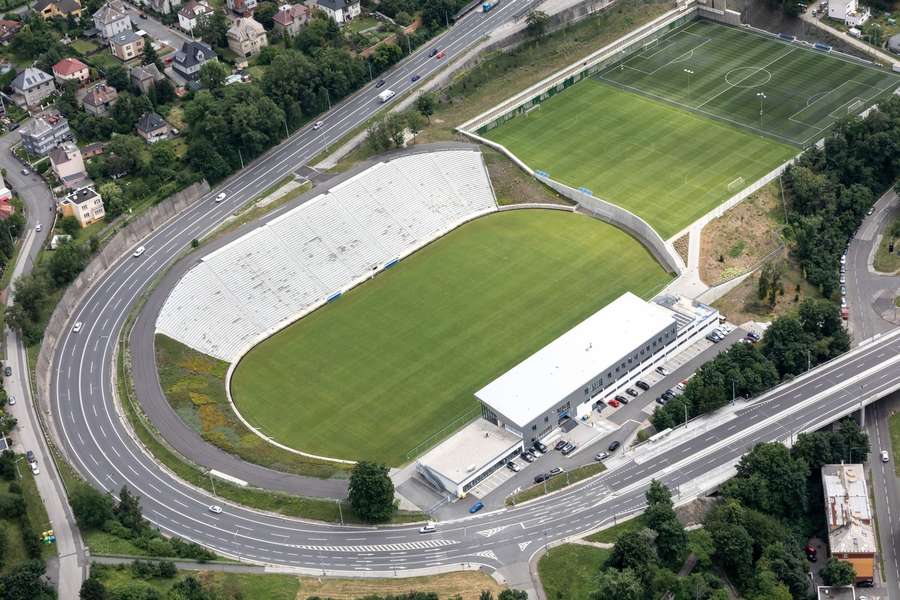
(439, 55)
(632, 392)
(642, 384)
(433, 52)
(512, 467)
(569, 449)
(662, 371)
(140, 250)
(34, 469)
(555, 471)
(38, 227)
(540, 447)
(601, 456)
(11, 400)
(414, 78)
(541, 478)
(428, 527)
(29, 456)
(220, 196)
(7, 371)
(560, 444)
(380, 83)
(614, 445)
(870, 211)
(77, 327)
(215, 509)
(24, 171)
(884, 456)
(476, 507)
(526, 457)
(844, 258)
(318, 124)
(614, 403)
(811, 553)
(843, 279)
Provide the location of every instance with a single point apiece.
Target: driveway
(158, 31)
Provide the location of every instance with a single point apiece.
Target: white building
(340, 11)
(848, 11)
(111, 19)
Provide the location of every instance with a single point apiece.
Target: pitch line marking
(732, 85)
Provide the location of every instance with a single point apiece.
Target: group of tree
(95, 510)
(13, 509)
(508, 594)
(830, 189)
(371, 492)
(792, 344)
(187, 588)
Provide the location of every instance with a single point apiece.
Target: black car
(614, 446)
(668, 396)
(632, 392)
(526, 457)
(30, 456)
(541, 478)
(541, 447)
(380, 83)
(753, 336)
(623, 400)
(642, 384)
(7, 371)
(570, 447)
(414, 78)
(661, 401)
(560, 445)
(433, 52)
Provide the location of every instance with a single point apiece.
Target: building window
(546, 419)
(534, 427)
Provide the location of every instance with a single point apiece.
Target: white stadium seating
(268, 278)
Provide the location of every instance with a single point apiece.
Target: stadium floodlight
(689, 73)
(761, 97)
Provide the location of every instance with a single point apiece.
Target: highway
(98, 443)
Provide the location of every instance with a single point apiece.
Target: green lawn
(568, 571)
(671, 145)
(885, 261)
(610, 534)
(391, 367)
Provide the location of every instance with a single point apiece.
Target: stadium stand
(268, 278)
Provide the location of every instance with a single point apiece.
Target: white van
(386, 95)
(428, 527)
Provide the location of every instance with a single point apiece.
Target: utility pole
(212, 482)
(689, 73)
(340, 511)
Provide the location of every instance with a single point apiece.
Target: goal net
(736, 185)
(535, 107)
(855, 107)
(651, 45)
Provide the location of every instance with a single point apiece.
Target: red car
(440, 55)
(614, 403)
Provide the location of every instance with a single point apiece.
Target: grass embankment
(251, 212)
(568, 571)
(513, 186)
(885, 261)
(894, 425)
(465, 585)
(609, 535)
(392, 366)
(194, 384)
(556, 483)
(14, 551)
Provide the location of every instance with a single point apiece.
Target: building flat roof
(537, 383)
(472, 447)
(847, 510)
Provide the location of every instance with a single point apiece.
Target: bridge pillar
(862, 415)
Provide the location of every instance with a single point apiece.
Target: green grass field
(392, 366)
(670, 145)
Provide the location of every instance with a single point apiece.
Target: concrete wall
(120, 245)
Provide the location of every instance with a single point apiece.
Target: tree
(91, 508)
(671, 541)
(164, 91)
(93, 589)
(128, 511)
(770, 285)
(70, 225)
(113, 199)
(513, 595)
(213, 74)
(371, 491)
(25, 582)
(117, 77)
(788, 345)
(264, 13)
(66, 262)
(415, 122)
(634, 550)
(838, 572)
(425, 104)
(734, 549)
(770, 480)
(537, 22)
(621, 585)
(213, 29)
(8, 465)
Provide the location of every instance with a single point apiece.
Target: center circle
(748, 77)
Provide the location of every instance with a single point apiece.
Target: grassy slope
(666, 165)
(226, 586)
(568, 571)
(396, 360)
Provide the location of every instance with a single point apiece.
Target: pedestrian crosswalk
(423, 545)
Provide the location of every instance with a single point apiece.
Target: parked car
(540, 447)
(428, 527)
(526, 457)
(7, 371)
(614, 445)
(662, 371)
(843, 279)
(714, 338)
(600, 456)
(541, 478)
(632, 392)
(512, 467)
(560, 444)
(811, 553)
(753, 336)
(844, 258)
(11, 400)
(668, 396)
(624, 400)
(38, 227)
(77, 327)
(642, 384)
(661, 401)
(34, 469)
(24, 171)
(614, 403)
(569, 449)
(29, 456)
(476, 507)
(555, 471)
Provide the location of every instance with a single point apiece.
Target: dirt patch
(695, 511)
(514, 186)
(682, 245)
(741, 238)
(742, 304)
(462, 584)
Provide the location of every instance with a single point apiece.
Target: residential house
(340, 11)
(127, 45)
(93, 149)
(152, 127)
(31, 87)
(68, 165)
(190, 58)
(848, 11)
(100, 99)
(57, 8)
(5, 194)
(111, 19)
(84, 204)
(8, 30)
(290, 18)
(849, 519)
(246, 37)
(43, 133)
(192, 13)
(162, 7)
(145, 77)
(244, 8)
(71, 69)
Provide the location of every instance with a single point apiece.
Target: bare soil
(466, 585)
(513, 186)
(682, 245)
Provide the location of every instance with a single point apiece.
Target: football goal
(650, 45)
(855, 107)
(736, 185)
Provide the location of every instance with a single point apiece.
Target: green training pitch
(391, 367)
(670, 145)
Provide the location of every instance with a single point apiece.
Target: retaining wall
(117, 247)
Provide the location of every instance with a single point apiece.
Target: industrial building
(851, 527)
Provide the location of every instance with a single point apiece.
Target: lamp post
(689, 73)
(762, 97)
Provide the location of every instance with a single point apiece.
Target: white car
(34, 469)
(24, 171)
(843, 259)
(884, 456)
(318, 124)
(78, 326)
(220, 197)
(662, 371)
(38, 227)
(215, 509)
(428, 527)
(11, 400)
(140, 250)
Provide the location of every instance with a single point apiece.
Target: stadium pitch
(679, 126)
(390, 368)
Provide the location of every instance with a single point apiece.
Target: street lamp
(689, 73)
(762, 97)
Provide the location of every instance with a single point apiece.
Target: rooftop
(336, 5)
(30, 78)
(111, 11)
(69, 66)
(150, 121)
(473, 446)
(847, 511)
(126, 37)
(83, 195)
(42, 124)
(567, 363)
(100, 95)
